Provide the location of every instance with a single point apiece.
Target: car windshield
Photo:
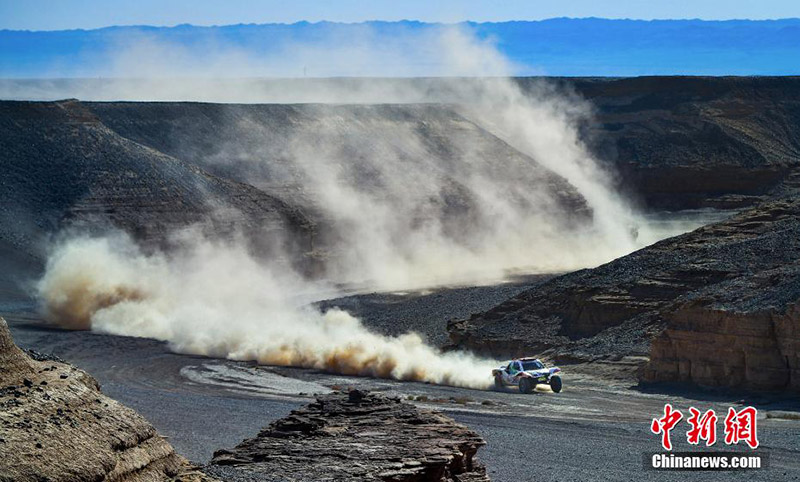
(532, 365)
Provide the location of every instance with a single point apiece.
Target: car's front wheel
(555, 383)
(498, 382)
(526, 385)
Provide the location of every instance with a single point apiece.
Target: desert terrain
(685, 292)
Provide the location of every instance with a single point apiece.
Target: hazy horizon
(87, 14)
(403, 20)
(554, 47)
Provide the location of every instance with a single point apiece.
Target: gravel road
(596, 429)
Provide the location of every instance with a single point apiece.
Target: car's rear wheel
(498, 382)
(555, 383)
(526, 385)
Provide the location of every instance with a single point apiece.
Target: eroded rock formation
(356, 436)
(693, 142)
(741, 334)
(720, 303)
(56, 425)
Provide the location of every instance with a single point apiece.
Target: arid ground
(599, 423)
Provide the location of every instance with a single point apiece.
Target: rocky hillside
(262, 143)
(689, 142)
(63, 166)
(353, 437)
(296, 151)
(717, 306)
(151, 168)
(675, 142)
(55, 424)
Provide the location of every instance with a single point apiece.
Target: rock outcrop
(56, 425)
(744, 333)
(694, 142)
(717, 306)
(356, 436)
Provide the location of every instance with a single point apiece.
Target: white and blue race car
(526, 373)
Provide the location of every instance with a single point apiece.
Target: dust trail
(512, 189)
(401, 218)
(216, 300)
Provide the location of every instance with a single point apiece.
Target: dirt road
(596, 429)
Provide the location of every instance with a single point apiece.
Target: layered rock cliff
(717, 306)
(353, 437)
(745, 333)
(56, 425)
(693, 142)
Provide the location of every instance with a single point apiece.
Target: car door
(510, 378)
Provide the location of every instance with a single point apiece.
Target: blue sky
(87, 14)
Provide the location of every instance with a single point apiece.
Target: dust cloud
(547, 208)
(216, 300)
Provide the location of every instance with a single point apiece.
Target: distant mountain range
(561, 46)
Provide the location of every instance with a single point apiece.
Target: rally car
(526, 373)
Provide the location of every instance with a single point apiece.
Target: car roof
(527, 358)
